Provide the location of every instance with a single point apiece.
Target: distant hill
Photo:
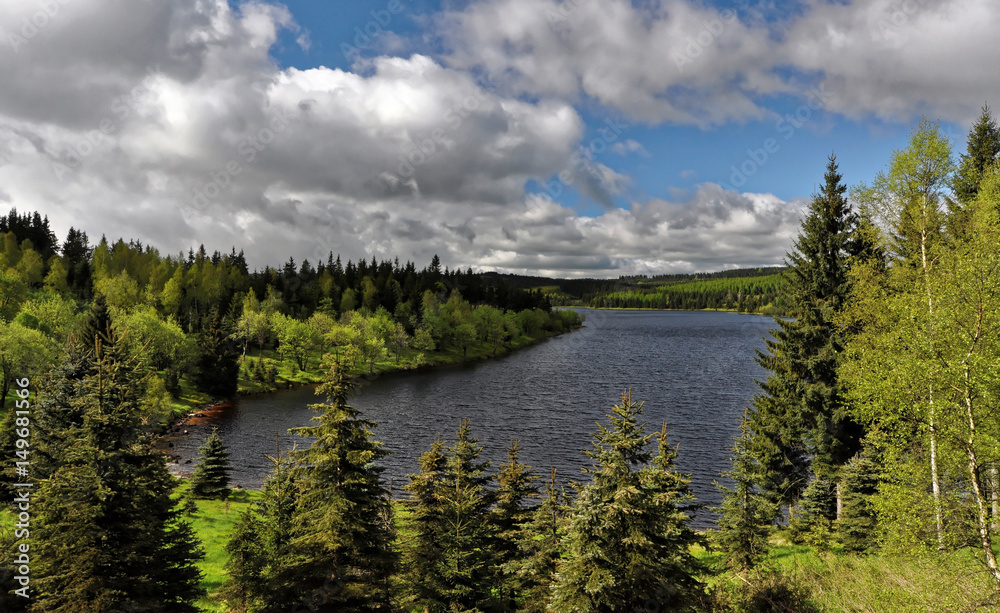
(747, 290)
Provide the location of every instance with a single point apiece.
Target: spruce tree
(983, 149)
(110, 537)
(218, 367)
(515, 489)
(532, 570)
(423, 552)
(800, 422)
(342, 532)
(244, 587)
(746, 515)
(466, 539)
(627, 542)
(857, 522)
(211, 475)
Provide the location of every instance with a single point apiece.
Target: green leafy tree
(423, 550)
(211, 476)
(627, 544)
(244, 587)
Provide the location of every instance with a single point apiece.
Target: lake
(694, 370)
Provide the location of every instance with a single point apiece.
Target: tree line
(876, 429)
(744, 294)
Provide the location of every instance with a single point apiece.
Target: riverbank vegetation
(204, 326)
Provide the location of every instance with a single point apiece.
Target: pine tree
(110, 537)
(982, 152)
(244, 587)
(746, 515)
(515, 488)
(531, 571)
(423, 554)
(466, 539)
(342, 538)
(627, 542)
(801, 421)
(857, 522)
(211, 475)
(218, 364)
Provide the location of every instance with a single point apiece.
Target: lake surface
(694, 370)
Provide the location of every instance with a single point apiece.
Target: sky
(572, 138)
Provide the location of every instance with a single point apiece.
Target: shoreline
(173, 426)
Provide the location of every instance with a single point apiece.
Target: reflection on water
(695, 371)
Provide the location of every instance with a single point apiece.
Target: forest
(866, 476)
(745, 290)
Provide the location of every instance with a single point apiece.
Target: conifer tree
(983, 149)
(466, 539)
(515, 489)
(746, 515)
(531, 570)
(857, 522)
(342, 531)
(218, 364)
(800, 421)
(244, 587)
(211, 476)
(110, 537)
(423, 554)
(627, 542)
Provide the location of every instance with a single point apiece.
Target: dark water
(695, 370)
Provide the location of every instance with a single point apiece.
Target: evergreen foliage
(110, 537)
(211, 476)
(745, 516)
(515, 489)
(800, 421)
(342, 529)
(627, 541)
(218, 368)
(983, 149)
(531, 571)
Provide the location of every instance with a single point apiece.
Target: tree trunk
(995, 495)
(977, 492)
(935, 482)
(840, 500)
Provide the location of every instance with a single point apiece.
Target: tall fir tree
(800, 420)
(244, 587)
(627, 544)
(211, 476)
(110, 537)
(342, 531)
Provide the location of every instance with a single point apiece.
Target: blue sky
(553, 137)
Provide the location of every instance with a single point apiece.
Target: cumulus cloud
(173, 124)
(683, 62)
